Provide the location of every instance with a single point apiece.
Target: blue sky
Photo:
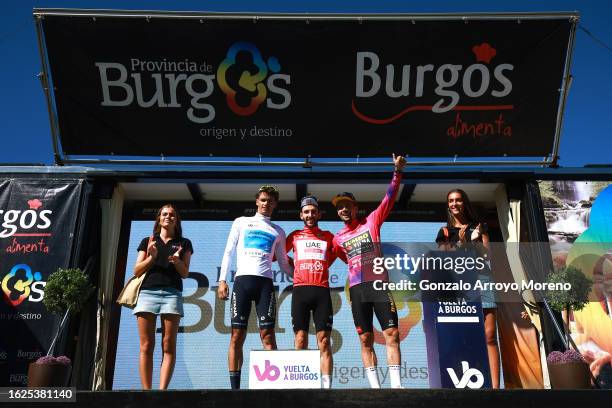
(586, 133)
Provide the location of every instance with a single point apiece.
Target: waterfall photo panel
(579, 223)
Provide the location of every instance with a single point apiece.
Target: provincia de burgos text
(407, 264)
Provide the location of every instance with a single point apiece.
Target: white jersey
(255, 240)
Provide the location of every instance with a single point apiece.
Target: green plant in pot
(568, 369)
(66, 292)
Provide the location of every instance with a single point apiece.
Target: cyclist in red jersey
(313, 255)
(359, 244)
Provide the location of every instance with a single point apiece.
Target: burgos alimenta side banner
(37, 222)
(326, 88)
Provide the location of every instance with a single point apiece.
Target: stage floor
(387, 398)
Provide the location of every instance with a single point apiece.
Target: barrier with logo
(325, 86)
(37, 222)
(284, 369)
(454, 328)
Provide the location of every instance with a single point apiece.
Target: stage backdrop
(38, 219)
(579, 219)
(229, 86)
(204, 337)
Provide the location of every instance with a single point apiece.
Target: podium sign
(284, 369)
(454, 329)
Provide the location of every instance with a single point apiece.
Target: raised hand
(476, 233)
(176, 257)
(151, 248)
(398, 162)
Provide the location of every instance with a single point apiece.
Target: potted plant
(66, 291)
(568, 369)
(49, 371)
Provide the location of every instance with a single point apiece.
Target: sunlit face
(455, 204)
(167, 218)
(311, 215)
(347, 210)
(265, 204)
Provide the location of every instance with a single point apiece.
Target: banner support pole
(44, 80)
(567, 82)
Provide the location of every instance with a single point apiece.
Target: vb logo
(466, 379)
(243, 78)
(270, 372)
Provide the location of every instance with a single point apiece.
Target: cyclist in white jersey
(256, 241)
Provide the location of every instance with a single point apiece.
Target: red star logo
(484, 52)
(35, 204)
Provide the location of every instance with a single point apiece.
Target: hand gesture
(223, 290)
(398, 162)
(462, 236)
(476, 233)
(598, 361)
(175, 258)
(151, 248)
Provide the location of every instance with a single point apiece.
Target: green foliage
(549, 195)
(67, 289)
(577, 297)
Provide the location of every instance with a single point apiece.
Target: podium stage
(387, 398)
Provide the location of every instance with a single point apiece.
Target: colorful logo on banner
(243, 76)
(28, 223)
(14, 284)
(245, 58)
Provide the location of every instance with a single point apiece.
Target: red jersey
(312, 256)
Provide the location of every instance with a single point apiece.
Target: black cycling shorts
(258, 289)
(365, 301)
(317, 299)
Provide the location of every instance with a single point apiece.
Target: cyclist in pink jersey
(313, 255)
(358, 243)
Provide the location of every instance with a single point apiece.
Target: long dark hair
(468, 210)
(178, 230)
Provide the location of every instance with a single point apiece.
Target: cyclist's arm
(230, 250)
(380, 214)
(281, 254)
(338, 251)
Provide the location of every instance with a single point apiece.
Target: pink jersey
(312, 256)
(359, 241)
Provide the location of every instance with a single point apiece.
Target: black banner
(37, 222)
(293, 88)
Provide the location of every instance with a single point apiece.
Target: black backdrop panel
(36, 237)
(287, 88)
